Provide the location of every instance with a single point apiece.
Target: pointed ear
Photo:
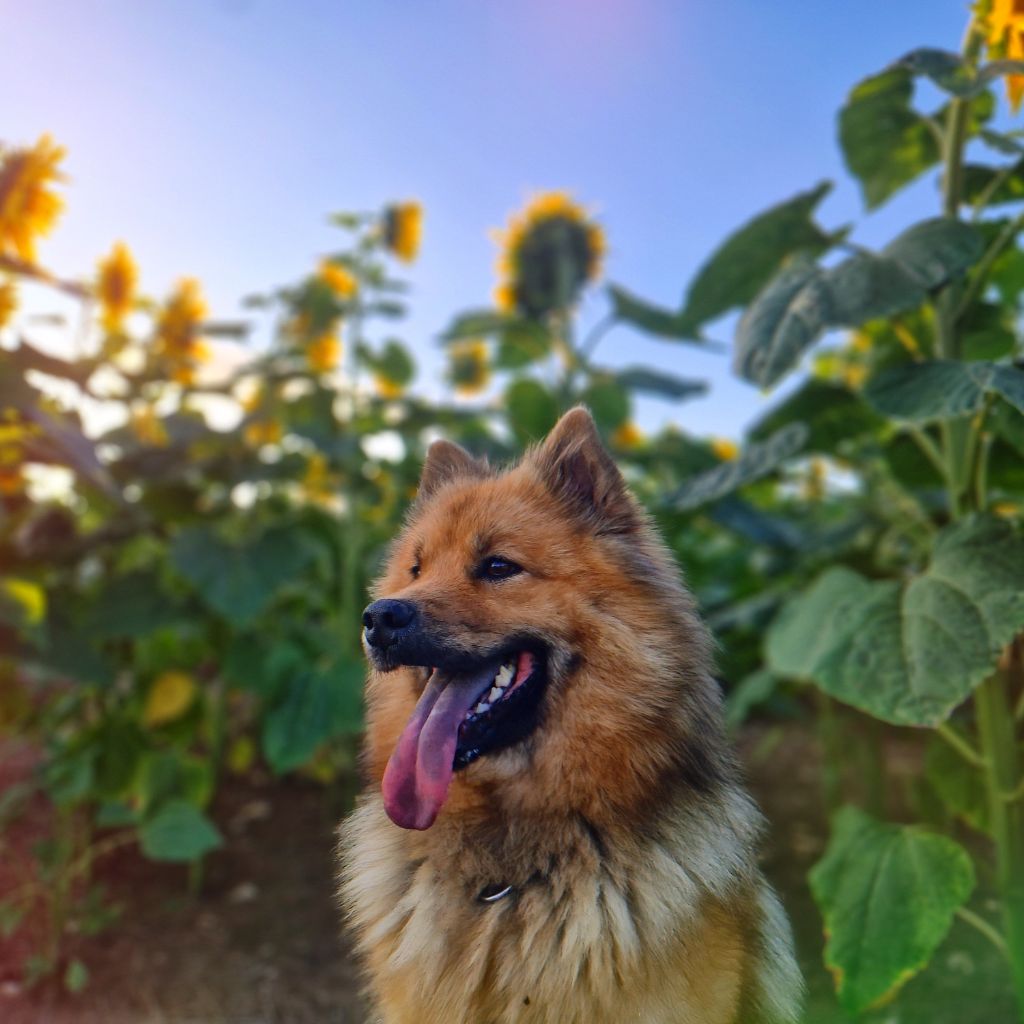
(577, 468)
(445, 462)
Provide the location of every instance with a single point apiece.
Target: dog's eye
(414, 572)
(497, 568)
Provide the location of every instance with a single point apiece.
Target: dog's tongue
(420, 770)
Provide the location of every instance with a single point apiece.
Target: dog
(554, 830)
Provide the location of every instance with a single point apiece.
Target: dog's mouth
(459, 718)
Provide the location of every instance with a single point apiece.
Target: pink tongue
(420, 770)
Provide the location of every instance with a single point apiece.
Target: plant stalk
(1003, 777)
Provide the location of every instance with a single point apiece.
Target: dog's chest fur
(598, 928)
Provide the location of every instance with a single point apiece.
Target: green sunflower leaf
(888, 894)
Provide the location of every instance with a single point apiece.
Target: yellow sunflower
(149, 428)
(8, 301)
(177, 332)
(261, 432)
(342, 282)
(386, 387)
(549, 251)
(179, 322)
(469, 370)
(1006, 39)
(324, 353)
(725, 449)
(403, 229)
(28, 205)
(115, 287)
(627, 435)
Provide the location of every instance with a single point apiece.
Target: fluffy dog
(553, 830)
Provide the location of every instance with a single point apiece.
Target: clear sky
(215, 135)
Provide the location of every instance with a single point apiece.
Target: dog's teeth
(494, 695)
(504, 676)
(481, 707)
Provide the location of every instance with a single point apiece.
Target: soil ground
(260, 943)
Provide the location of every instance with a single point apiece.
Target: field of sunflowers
(189, 524)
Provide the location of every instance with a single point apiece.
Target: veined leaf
(654, 382)
(753, 462)
(943, 389)
(888, 894)
(745, 261)
(909, 654)
(796, 307)
(662, 323)
(179, 831)
(240, 581)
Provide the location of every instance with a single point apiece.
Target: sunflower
(403, 229)
(341, 281)
(469, 370)
(115, 287)
(28, 205)
(8, 300)
(177, 331)
(149, 428)
(324, 352)
(724, 449)
(549, 251)
(386, 387)
(627, 435)
(1006, 39)
(261, 432)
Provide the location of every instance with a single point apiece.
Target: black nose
(386, 621)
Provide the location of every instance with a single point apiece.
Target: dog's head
(527, 624)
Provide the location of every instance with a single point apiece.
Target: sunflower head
(115, 287)
(28, 205)
(402, 226)
(323, 353)
(627, 435)
(549, 252)
(341, 281)
(469, 370)
(1004, 27)
(724, 449)
(8, 300)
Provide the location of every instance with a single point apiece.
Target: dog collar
(493, 893)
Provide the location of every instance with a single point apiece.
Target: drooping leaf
(655, 382)
(951, 73)
(608, 400)
(753, 462)
(909, 654)
(240, 581)
(832, 414)
(961, 786)
(318, 703)
(888, 894)
(179, 831)
(745, 261)
(791, 313)
(651, 319)
(532, 409)
(132, 605)
(996, 185)
(813, 623)
(885, 142)
(943, 389)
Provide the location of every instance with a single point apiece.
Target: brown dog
(554, 831)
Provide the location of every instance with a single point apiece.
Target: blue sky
(215, 135)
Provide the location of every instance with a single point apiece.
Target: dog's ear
(577, 468)
(445, 462)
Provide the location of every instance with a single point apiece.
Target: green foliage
(909, 654)
(803, 299)
(179, 831)
(888, 894)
